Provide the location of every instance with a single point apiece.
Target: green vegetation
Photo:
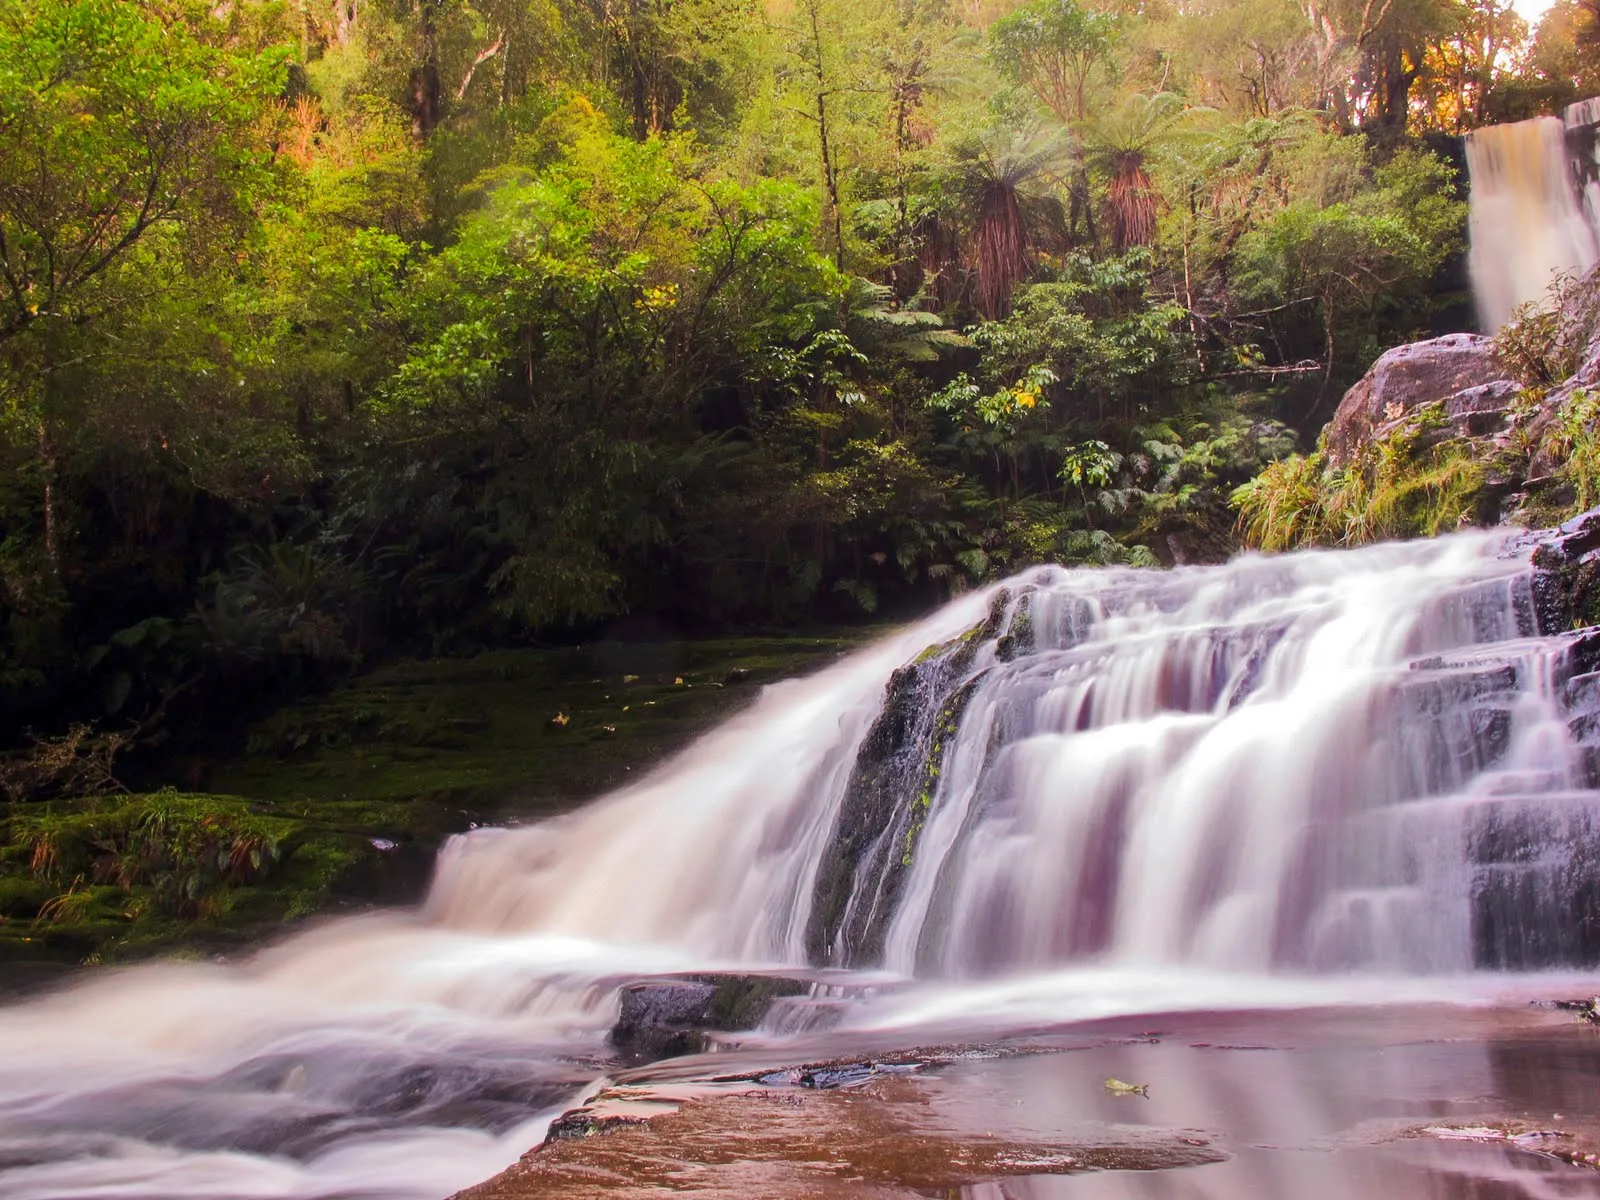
(339, 338)
(1416, 481)
(350, 793)
(1574, 445)
(1426, 475)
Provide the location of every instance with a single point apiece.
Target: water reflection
(1322, 1110)
(1418, 1171)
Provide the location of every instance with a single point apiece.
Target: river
(1331, 781)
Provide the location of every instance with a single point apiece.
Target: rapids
(1320, 778)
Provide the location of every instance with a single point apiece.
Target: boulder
(666, 1017)
(1460, 370)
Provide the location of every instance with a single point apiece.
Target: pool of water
(1358, 1104)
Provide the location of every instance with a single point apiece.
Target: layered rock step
(672, 1015)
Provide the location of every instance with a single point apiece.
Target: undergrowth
(1411, 483)
(1574, 443)
(168, 853)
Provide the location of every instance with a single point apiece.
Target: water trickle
(1310, 776)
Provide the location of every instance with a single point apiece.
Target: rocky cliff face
(1580, 319)
(1495, 403)
(1460, 371)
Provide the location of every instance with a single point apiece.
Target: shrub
(1534, 346)
(183, 851)
(1408, 484)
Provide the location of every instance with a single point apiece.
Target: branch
(1303, 367)
(482, 58)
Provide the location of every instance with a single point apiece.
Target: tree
(1120, 141)
(1466, 55)
(114, 123)
(1561, 65)
(1369, 235)
(1248, 58)
(122, 130)
(825, 74)
(1058, 49)
(1003, 178)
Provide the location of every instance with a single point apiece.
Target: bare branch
(483, 57)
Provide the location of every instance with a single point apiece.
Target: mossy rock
(668, 1017)
(361, 785)
(891, 792)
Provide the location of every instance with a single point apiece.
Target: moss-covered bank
(341, 801)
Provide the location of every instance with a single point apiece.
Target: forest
(337, 332)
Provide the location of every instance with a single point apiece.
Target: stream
(1348, 795)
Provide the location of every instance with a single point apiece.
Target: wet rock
(886, 802)
(587, 1123)
(1019, 637)
(664, 1018)
(827, 1076)
(1586, 1010)
(896, 778)
(1566, 577)
(1580, 323)
(1460, 370)
(1539, 915)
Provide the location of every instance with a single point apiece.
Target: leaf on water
(1118, 1088)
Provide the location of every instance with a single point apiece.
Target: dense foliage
(330, 330)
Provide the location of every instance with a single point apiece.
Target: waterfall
(1293, 762)
(1534, 208)
(1314, 776)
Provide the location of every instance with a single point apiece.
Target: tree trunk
(830, 180)
(52, 543)
(425, 78)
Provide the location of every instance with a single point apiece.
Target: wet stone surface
(662, 1018)
(1434, 1104)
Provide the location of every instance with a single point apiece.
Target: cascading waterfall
(1534, 208)
(1323, 774)
(1288, 764)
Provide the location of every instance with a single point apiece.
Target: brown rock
(1460, 369)
(895, 1138)
(1580, 323)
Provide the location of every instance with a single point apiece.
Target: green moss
(475, 733)
(404, 756)
(948, 722)
(742, 1001)
(1019, 637)
(941, 649)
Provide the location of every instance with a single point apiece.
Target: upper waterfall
(1535, 207)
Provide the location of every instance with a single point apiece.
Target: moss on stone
(1018, 638)
(889, 795)
(359, 786)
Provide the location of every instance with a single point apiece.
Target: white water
(1204, 788)
(1527, 222)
